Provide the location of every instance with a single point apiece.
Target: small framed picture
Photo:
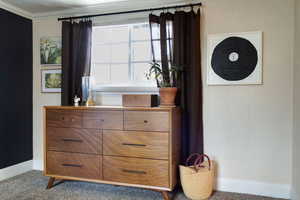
(51, 80)
(50, 50)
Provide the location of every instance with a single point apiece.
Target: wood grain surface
(103, 119)
(74, 140)
(140, 145)
(74, 164)
(136, 144)
(146, 121)
(136, 171)
(61, 118)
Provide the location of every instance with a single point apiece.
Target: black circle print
(234, 59)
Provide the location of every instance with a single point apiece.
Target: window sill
(126, 89)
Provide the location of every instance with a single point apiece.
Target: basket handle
(198, 162)
(190, 157)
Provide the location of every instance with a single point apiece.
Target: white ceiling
(40, 6)
(64, 8)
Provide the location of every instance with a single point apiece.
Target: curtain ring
(192, 7)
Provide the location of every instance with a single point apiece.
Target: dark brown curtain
(186, 53)
(76, 58)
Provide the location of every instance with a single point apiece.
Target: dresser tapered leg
(50, 183)
(165, 195)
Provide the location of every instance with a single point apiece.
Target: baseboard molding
(38, 165)
(294, 195)
(255, 188)
(15, 170)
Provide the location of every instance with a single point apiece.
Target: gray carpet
(31, 186)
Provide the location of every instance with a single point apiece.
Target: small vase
(167, 96)
(90, 100)
(86, 87)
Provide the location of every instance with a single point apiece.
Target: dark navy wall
(15, 89)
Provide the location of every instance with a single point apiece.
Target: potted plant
(166, 82)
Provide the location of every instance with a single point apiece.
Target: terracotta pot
(167, 96)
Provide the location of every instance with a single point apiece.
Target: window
(121, 55)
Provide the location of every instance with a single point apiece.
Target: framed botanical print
(50, 50)
(51, 80)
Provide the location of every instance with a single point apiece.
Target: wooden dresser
(126, 146)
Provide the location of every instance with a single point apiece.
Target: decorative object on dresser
(87, 91)
(128, 146)
(140, 100)
(166, 82)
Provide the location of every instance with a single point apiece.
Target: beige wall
(45, 27)
(296, 138)
(248, 129)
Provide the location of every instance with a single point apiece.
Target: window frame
(132, 86)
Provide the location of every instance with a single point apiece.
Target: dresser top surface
(110, 108)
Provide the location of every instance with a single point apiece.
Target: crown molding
(16, 10)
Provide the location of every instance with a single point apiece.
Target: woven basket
(197, 180)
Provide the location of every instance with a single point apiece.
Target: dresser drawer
(103, 120)
(74, 140)
(74, 165)
(136, 171)
(136, 144)
(62, 118)
(146, 121)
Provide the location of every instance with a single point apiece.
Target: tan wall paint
(248, 129)
(45, 27)
(296, 138)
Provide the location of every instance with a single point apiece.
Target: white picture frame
(255, 78)
(51, 80)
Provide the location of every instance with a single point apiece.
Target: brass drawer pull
(64, 119)
(133, 171)
(71, 165)
(138, 145)
(71, 140)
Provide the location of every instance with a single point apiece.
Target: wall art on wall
(51, 49)
(234, 59)
(51, 80)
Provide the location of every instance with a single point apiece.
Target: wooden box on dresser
(128, 146)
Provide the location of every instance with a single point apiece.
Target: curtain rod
(130, 11)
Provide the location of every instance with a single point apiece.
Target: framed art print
(50, 50)
(51, 80)
(234, 59)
